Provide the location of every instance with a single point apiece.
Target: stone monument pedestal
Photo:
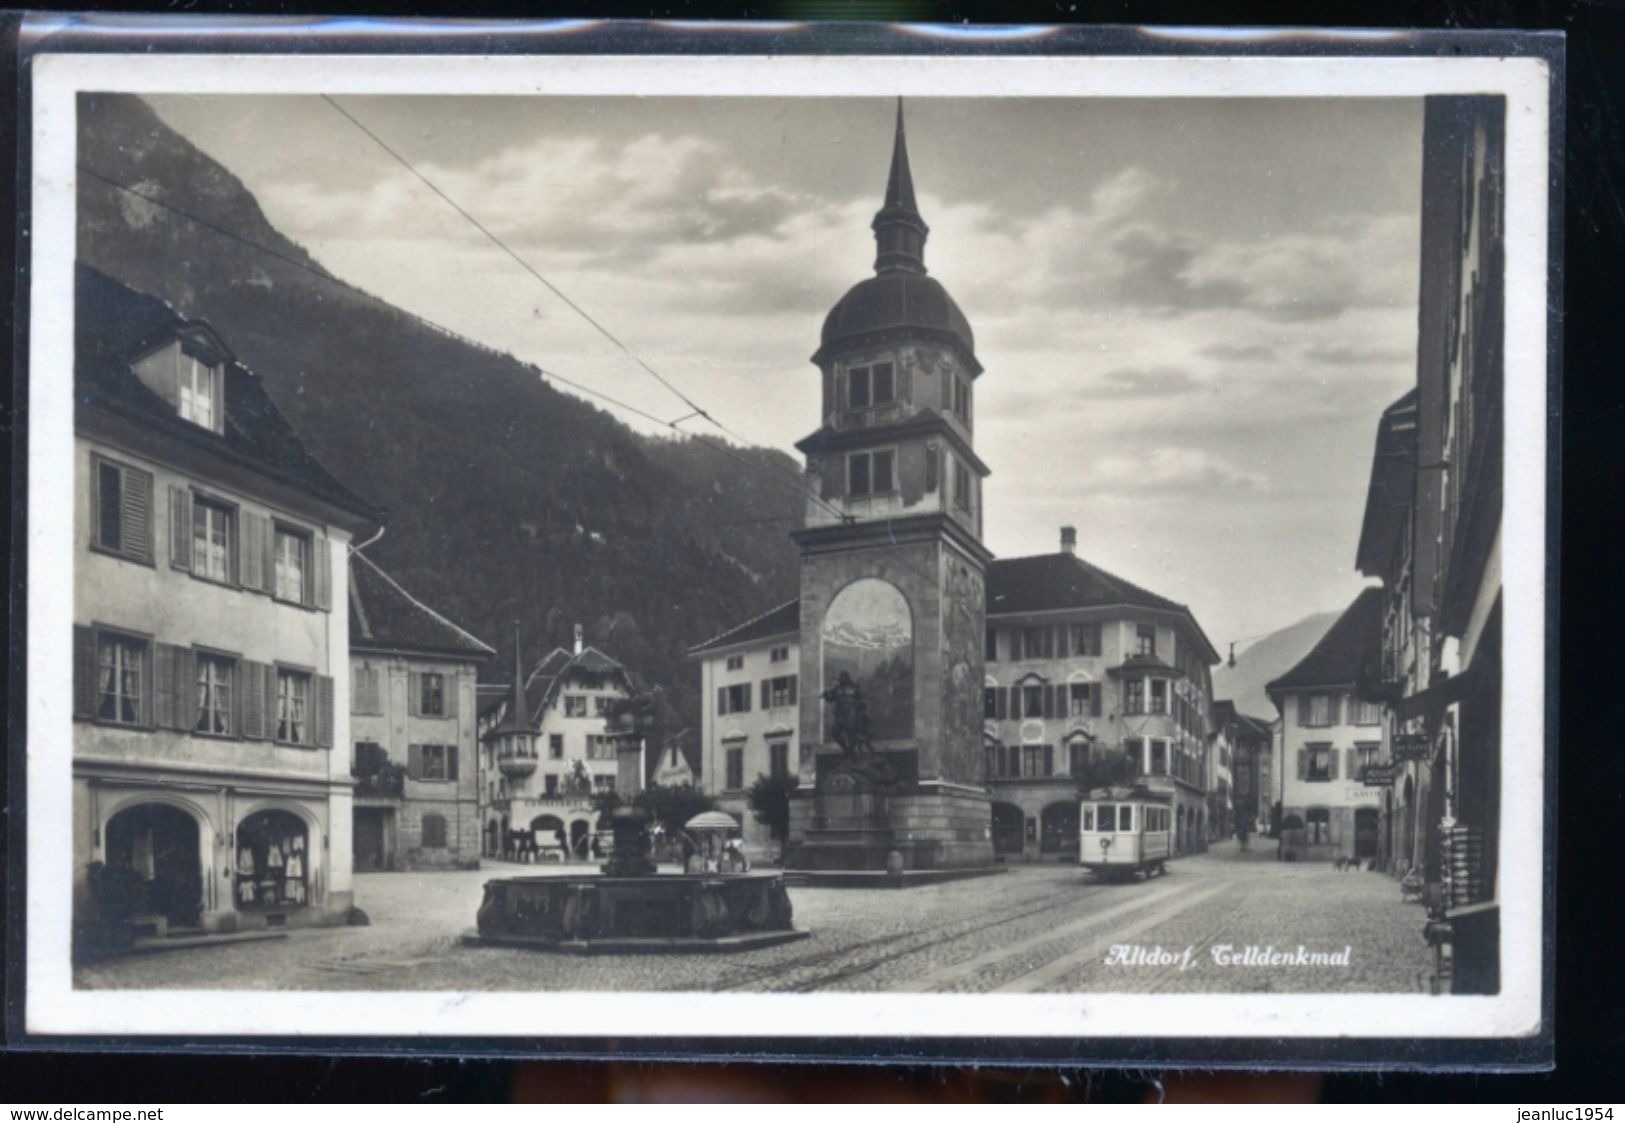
(860, 813)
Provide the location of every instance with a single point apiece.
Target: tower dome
(899, 298)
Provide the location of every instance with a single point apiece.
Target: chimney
(578, 639)
(1069, 540)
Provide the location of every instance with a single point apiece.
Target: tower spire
(899, 230)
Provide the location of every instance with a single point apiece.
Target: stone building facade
(1331, 732)
(211, 693)
(413, 728)
(1085, 670)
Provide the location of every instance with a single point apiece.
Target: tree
(672, 807)
(769, 801)
(1106, 770)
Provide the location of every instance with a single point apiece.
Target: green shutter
(137, 522)
(84, 672)
(321, 584)
(164, 691)
(414, 693)
(180, 527)
(450, 682)
(322, 696)
(255, 709)
(767, 693)
(1001, 703)
(251, 571)
(1303, 709)
(722, 701)
(451, 762)
(414, 762)
(1094, 699)
(1303, 764)
(1331, 761)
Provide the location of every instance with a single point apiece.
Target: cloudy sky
(1191, 312)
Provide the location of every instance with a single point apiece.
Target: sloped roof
(1336, 659)
(687, 742)
(783, 620)
(1045, 582)
(554, 668)
(114, 326)
(385, 616)
(1391, 493)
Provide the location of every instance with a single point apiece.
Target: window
(1134, 749)
(292, 561)
(870, 385)
(857, 388)
(1316, 710)
(603, 783)
(603, 705)
(1134, 696)
(736, 769)
(120, 667)
(1077, 756)
(782, 691)
(779, 655)
(1145, 640)
(555, 746)
(432, 694)
(778, 758)
(212, 539)
(961, 404)
(962, 497)
(1318, 824)
(990, 703)
(1078, 693)
(870, 473)
(123, 504)
(1365, 755)
(1125, 817)
(1032, 701)
(434, 832)
(575, 705)
(197, 386)
(736, 662)
(1038, 760)
(214, 681)
(1159, 696)
(1319, 768)
(733, 699)
(600, 747)
(364, 691)
(1367, 713)
(991, 652)
(1159, 758)
(550, 785)
(435, 763)
(292, 706)
(1086, 639)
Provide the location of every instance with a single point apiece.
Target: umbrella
(712, 821)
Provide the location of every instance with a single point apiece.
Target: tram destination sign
(1381, 775)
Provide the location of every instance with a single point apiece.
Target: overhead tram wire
(696, 410)
(542, 373)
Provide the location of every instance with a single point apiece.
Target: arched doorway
(1058, 829)
(1367, 821)
(272, 861)
(1006, 829)
(548, 831)
(160, 842)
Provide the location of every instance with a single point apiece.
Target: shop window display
(273, 861)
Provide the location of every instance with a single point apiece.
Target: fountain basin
(658, 913)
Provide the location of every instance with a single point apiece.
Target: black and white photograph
(862, 546)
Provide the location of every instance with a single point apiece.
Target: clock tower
(893, 570)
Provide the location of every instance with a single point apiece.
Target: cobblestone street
(1036, 928)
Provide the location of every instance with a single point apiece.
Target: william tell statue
(850, 728)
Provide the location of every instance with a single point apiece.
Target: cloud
(1145, 382)
(1238, 351)
(1174, 472)
(1350, 354)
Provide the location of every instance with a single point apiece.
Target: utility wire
(696, 410)
(542, 373)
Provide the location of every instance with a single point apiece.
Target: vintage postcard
(792, 545)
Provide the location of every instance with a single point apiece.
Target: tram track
(948, 930)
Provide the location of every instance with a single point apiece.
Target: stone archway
(161, 844)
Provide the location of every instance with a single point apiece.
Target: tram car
(1125, 831)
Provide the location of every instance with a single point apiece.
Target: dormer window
(199, 392)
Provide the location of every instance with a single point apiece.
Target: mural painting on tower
(869, 635)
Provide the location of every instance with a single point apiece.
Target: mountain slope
(1266, 659)
(507, 499)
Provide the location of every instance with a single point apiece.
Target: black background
(1590, 959)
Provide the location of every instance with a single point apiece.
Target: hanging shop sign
(1381, 775)
(1411, 746)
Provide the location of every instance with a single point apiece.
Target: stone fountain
(628, 906)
